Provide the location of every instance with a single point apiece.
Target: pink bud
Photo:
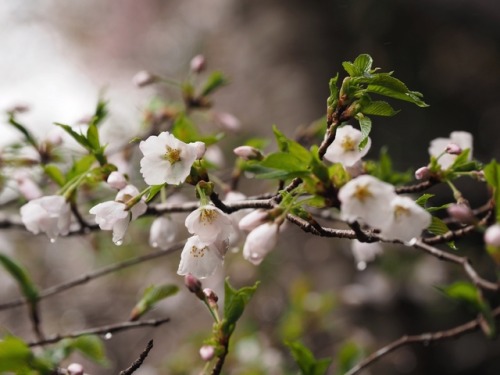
(253, 220)
(75, 369)
(248, 153)
(492, 235)
(227, 121)
(462, 213)
(207, 352)
(198, 64)
(200, 149)
(144, 78)
(19, 108)
(423, 173)
(453, 149)
(210, 294)
(193, 284)
(116, 180)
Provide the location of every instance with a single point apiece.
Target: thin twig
(94, 275)
(109, 329)
(425, 338)
(417, 188)
(139, 361)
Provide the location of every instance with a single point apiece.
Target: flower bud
(144, 78)
(227, 121)
(116, 180)
(423, 173)
(462, 213)
(210, 294)
(19, 108)
(27, 187)
(453, 149)
(200, 149)
(248, 153)
(198, 64)
(193, 284)
(207, 352)
(260, 242)
(75, 369)
(492, 235)
(253, 220)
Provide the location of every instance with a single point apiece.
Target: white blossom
(209, 223)
(367, 199)
(50, 214)
(166, 159)
(492, 235)
(260, 242)
(253, 220)
(345, 148)
(114, 215)
(163, 232)
(27, 187)
(116, 180)
(407, 220)
(199, 258)
(439, 145)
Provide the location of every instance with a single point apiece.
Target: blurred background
(57, 57)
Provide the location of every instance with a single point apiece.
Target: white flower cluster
(375, 203)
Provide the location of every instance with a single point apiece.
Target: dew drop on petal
(108, 336)
(361, 266)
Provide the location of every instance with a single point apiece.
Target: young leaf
(234, 305)
(155, 189)
(291, 147)
(28, 288)
(305, 360)
(363, 64)
(385, 84)
(14, 354)
(27, 134)
(79, 138)
(213, 82)
(365, 125)
(55, 174)
(151, 296)
(379, 108)
(422, 200)
(89, 345)
(492, 175)
(334, 91)
(284, 161)
(348, 356)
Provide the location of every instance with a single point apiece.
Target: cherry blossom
(167, 159)
(438, 146)
(199, 258)
(492, 235)
(115, 215)
(50, 214)
(209, 223)
(163, 232)
(253, 220)
(345, 148)
(260, 242)
(367, 199)
(116, 180)
(407, 221)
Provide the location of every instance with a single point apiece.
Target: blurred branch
(109, 329)
(139, 361)
(93, 275)
(425, 339)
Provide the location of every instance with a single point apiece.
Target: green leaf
(348, 356)
(492, 175)
(100, 113)
(234, 304)
(213, 82)
(363, 64)
(93, 138)
(80, 166)
(379, 108)
(151, 296)
(365, 125)
(291, 147)
(90, 346)
(334, 91)
(305, 360)
(284, 161)
(422, 200)
(438, 226)
(55, 174)
(27, 134)
(78, 137)
(462, 291)
(14, 354)
(28, 288)
(385, 84)
(155, 189)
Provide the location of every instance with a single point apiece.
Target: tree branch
(425, 338)
(139, 361)
(109, 329)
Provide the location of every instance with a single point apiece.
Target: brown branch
(108, 329)
(417, 188)
(425, 338)
(139, 361)
(93, 275)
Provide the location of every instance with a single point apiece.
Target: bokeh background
(57, 57)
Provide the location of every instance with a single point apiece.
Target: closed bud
(200, 149)
(248, 153)
(116, 180)
(253, 220)
(212, 298)
(461, 213)
(453, 149)
(75, 369)
(198, 64)
(423, 173)
(144, 78)
(207, 352)
(492, 236)
(194, 285)
(227, 121)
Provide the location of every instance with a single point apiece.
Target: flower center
(173, 155)
(348, 144)
(362, 193)
(400, 211)
(208, 216)
(197, 252)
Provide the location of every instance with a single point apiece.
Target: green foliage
(234, 305)
(26, 285)
(151, 296)
(347, 357)
(365, 124)
(305, 360)
(16, 357)
(384, 171)
(91, 346)
(27, 134)
(155, 189)
(214, 81)
(55, 174)
(492, 175)
(185, 130)
(439, 227)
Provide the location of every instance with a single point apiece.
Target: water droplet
(118, 242)
(52, 240)
(108, 336)
(361, 266)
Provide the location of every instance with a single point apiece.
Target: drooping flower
(407, 220)
(345, 148)
(163, 232)
(50, 214)
(367, 199)
(115, 215)
(167, 159)
(199, 258)
(209, 223)
(260, 242)
(439, 145)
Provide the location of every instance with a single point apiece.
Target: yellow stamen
(400, 211)
(208, 216)
(173, 155)
(198, 252)
(348, 144)
(362, 193)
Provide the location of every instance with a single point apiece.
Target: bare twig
(109, 329)
(425, 338)
(139, 361)
(417, 188)
(94, 275)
